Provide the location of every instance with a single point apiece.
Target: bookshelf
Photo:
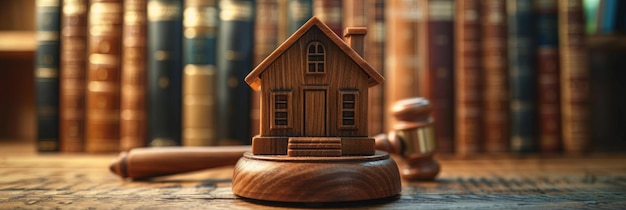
(18, 46)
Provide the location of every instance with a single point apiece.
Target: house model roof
(253, 79)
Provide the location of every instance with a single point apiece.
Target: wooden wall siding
(288, 72)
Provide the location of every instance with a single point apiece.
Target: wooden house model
(314, 93)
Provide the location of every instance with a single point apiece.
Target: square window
(348, 122)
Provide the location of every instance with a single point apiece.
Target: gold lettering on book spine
(162, 11)
(236, 11)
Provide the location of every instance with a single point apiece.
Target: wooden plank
(82, 181)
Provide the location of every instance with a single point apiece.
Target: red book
(548, 102)
(468, 113)
(436, 36)
(330, 12)
(494, 76)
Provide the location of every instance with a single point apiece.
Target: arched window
(315, 58)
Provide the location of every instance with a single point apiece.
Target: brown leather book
(401, 60)
(574, 76)
(375, 56)
(495, 86)
(265, 42)
(467, 73)
(436, 54)
(370, 14)
(73, 74)
(103, 77)
(133, 78)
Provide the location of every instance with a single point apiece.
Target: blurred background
(534, 76)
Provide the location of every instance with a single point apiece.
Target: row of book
(112, 75)
(503, 75)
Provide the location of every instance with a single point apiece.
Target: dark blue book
(48, 13)
(298, 12)
(234, 62)
(521, 75)
(199, 45)
(164, 72)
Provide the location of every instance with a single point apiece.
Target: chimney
(355, 36)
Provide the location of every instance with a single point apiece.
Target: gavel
(412, 141)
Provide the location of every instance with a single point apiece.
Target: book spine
(48, 13)
(401, 58)
(103, 76)
(436, 75)
(574, 77)
(234, 61)
(265, 41)
(200, 36)
(164, 72)
(298, 12)
(133, 80)
(468, 113)
(375, 56)
(331, 13)
(495, 87)
(73, 75)
(522, 76)
(548, 91)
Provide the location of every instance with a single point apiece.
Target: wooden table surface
(83, 181)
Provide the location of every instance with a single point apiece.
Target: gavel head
(413, 138)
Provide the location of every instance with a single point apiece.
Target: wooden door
(314, 113)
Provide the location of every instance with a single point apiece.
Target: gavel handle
(142, 163)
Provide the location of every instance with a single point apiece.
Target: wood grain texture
(79, 181)
(316, 179)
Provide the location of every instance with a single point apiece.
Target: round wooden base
(316, 179)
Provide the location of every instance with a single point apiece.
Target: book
(235, 52)
(548, 90)
(102, 122)
(133, 122)
(574, 77)
(375, 56)
(73, 75)
(298, 12)
(164, 60)
(467, 72)
(200, 36)
(522, 76)
(494, 83)
(331, 13)
(401, 60)
(265, 42)
(436, 34)
(48, 23)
